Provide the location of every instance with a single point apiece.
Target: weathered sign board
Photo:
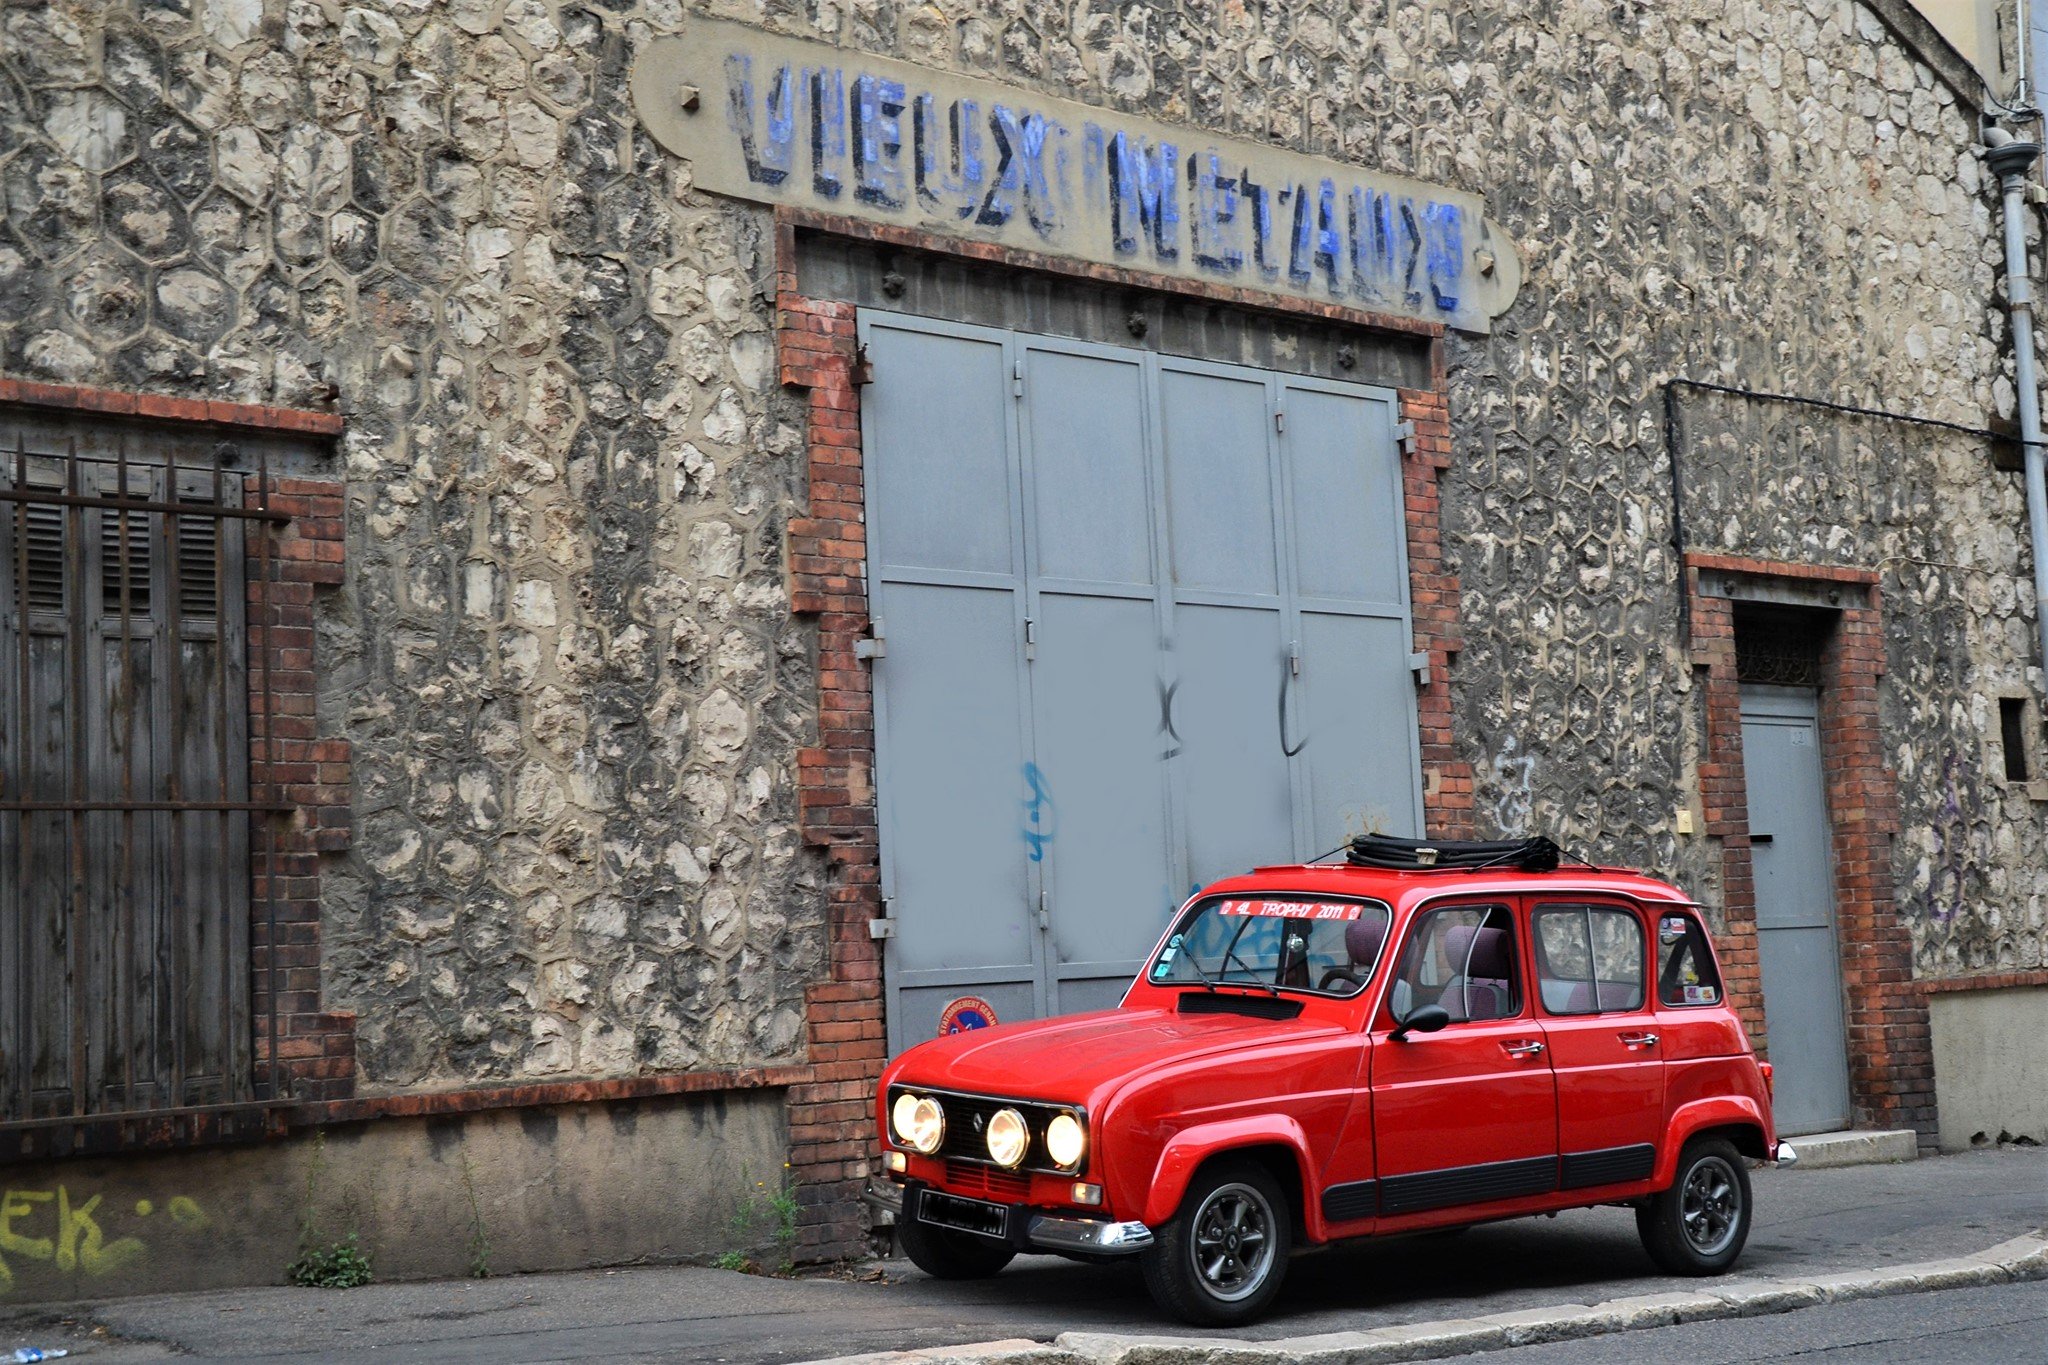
(784, 121)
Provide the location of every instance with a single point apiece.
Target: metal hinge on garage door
(875, 645)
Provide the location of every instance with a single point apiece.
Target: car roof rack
(1538, 854)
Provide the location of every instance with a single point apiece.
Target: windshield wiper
(1230, 955)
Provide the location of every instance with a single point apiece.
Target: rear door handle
(1639, 1039)
(1524, 1049)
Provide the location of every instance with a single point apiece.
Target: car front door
(1592, 988)
(1465, 1117)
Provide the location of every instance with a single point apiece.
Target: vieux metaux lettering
(789, 122)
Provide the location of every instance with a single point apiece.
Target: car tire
(1220, 1259)
(1698, 1225)
(945, 1254)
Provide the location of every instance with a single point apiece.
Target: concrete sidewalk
(1867, 1221)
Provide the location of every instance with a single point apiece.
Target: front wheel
(945, 1254)
(1698, 1226)
(1219, 1261)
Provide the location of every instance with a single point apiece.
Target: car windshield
(1280, 942)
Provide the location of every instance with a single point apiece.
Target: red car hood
(1071, 1059)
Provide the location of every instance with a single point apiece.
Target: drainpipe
(2010, 161)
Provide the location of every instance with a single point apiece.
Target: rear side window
(1462, 958)
(1589, 959)
(1685, 971)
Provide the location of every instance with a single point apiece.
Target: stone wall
(565, 655)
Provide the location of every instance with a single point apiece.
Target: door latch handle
(1528, 1049)
(1639, 1039)
(1287, 672)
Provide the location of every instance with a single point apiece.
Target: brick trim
(478, 1099)
(1776, 568)
(1448, 799)
(1890, 1042)
(1985, 981)
(826, 565)
(163, 407)
(289, 763)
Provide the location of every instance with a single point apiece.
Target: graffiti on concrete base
(68, 1231)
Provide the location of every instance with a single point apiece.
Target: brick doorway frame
(831, 1144)
(1890, 1042)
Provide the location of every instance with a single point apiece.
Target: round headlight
(899, 1116)
(927, 1125)
(1066, 1140)
(1008, 1138)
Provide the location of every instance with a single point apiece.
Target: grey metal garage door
(1144, 623)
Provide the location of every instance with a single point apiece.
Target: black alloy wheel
(1699, 1225)
(1219, 1261)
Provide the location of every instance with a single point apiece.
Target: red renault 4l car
(1426, 1036)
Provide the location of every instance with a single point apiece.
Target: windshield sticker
(1671, 928)
(1701, 995)
(1338, 910)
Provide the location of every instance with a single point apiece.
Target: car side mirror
(1421, 1019)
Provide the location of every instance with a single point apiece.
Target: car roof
(1405, 889)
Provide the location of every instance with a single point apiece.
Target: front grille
(967, 1124)
(967, 1119)
(988, 1182)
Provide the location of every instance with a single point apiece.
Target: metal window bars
(139, 800)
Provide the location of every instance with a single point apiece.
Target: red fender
(1190, 1147)
(1722, 1111)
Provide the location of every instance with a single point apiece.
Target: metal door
(1795, 917)
(962, 825)
(1107, 863)
(1119, 662)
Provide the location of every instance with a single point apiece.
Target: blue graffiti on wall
(1039, 818)
(988, 163)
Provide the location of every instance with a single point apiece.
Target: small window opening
(1779, 645)
(2012, 726)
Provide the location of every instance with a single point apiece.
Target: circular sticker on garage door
(968, 1012)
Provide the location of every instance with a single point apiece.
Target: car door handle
(1524, 1049)
(1639, 1039)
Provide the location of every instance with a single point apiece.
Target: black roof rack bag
(1410, 855)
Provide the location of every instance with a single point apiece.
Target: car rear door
(1464, 1118)
(1591, 961)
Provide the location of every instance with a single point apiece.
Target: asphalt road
(1809, 1222)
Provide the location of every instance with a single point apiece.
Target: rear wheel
(1219, 1261)
(945, 1254)
(1698, 1226)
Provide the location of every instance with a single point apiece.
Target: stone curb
(2021, 1259)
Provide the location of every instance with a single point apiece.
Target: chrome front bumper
(1786, 1157)
(1048, 1231)
(1093, 1235)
